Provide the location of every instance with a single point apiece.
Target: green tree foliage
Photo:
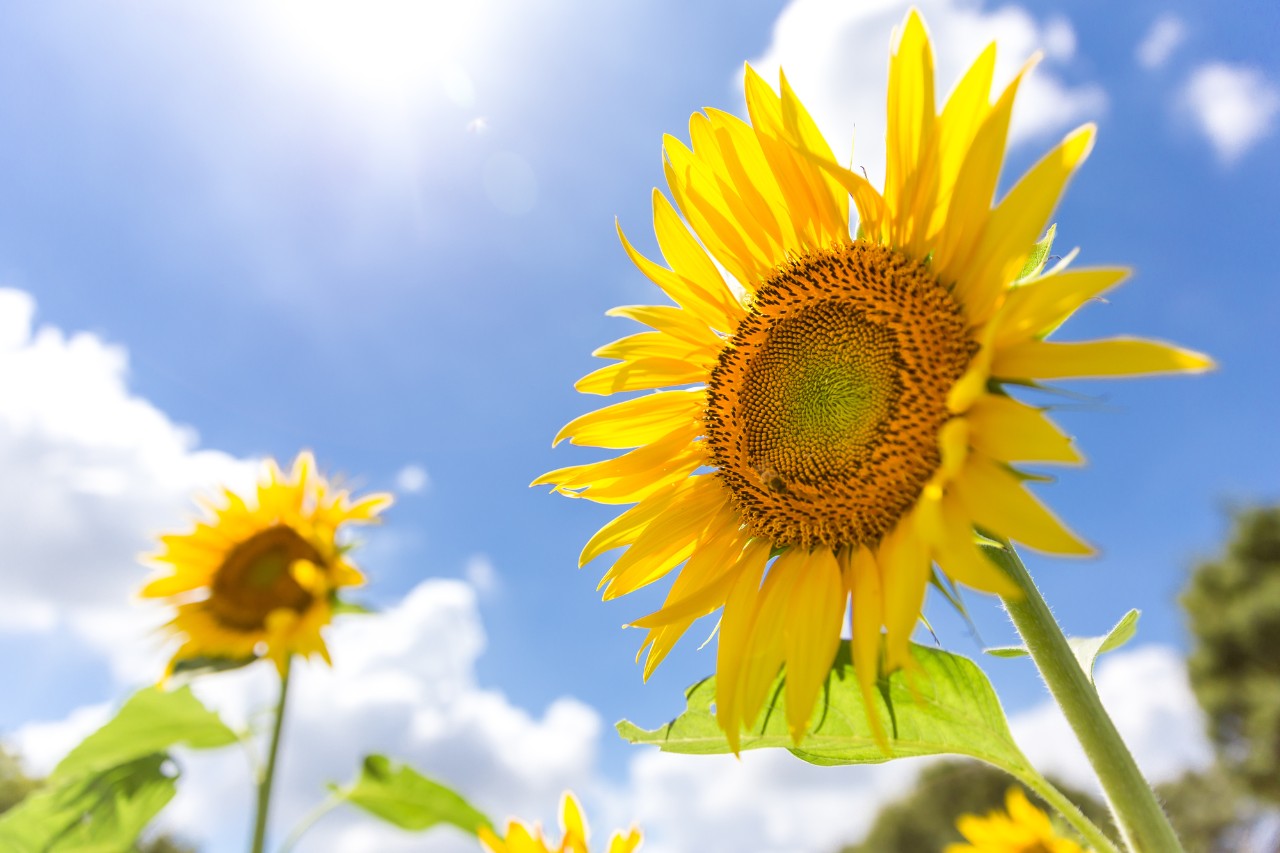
(924, 821)
(1206, 810)
(1233, 610)
(15, 784)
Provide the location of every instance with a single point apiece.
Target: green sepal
(342, 607)
(204, 664)
(1086, 649)
(403, 797)
(945, 706)
(1038, 257)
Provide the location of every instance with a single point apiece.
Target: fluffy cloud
(1165, 36)
(412, 480)
(835, 55)
(403, 684)
(1234, 106)
(91, 473)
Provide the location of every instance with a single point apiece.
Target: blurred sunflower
(836, 421)
(1023, 829)
(522, 839)
(259, 577)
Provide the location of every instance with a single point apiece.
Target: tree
(15, 784)
(1233, 611)
(924, 821)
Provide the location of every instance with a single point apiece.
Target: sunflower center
(256, 579)
(824, 407)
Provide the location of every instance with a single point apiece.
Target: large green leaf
(1086, 649)
(405, 798)
(152, 721)
(102, 812)
(945, 706)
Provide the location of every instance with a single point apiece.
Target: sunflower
(835, 421)
(1023, 829)
(522, 839)
(259, 576)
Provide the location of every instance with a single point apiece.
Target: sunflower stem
(1141, 821)
(1092, 835)
(269, 772)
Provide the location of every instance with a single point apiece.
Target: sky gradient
(237, 230)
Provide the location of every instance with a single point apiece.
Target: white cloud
(412, 480)
(482, 575)
(92, 473)
(1234, 106)
(1165, 36)
(403, 684)
(836, 56)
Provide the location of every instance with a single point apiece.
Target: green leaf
(150, 722)
(343, 607)
(405, 798)
(103, 812)
(945, 706)
(201, 665)
(1039, 255)
(1086, 649)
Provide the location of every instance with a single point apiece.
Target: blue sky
(389, 237)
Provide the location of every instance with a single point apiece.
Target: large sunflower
(1023, 828)
(837, 423)
(258, 578)
(520, 838)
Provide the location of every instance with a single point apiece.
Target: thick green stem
(269, 772)
(1141, 821)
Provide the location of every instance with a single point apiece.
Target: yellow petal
(571, 822)
(910, 185)
(949, 530)
(868, 616)
(642, 375)
(715, 219)
(1019, 220)
(995, 499)
(686, 293)
(966, 109)
(659, 345)
(626, 527)
(1010, 431)
(666, 543)
(1041, 305)
(736, 630)
(687, 259)
(1110, 357)
(815, 610)
(705, 580)
(636, 422)
(970, 201)
(765, 649)
(675, 321)
(904, 573)
(632, 476)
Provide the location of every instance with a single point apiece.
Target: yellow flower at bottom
(1023, 829)
(257, 578)
(833, 423)
(522, 839)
